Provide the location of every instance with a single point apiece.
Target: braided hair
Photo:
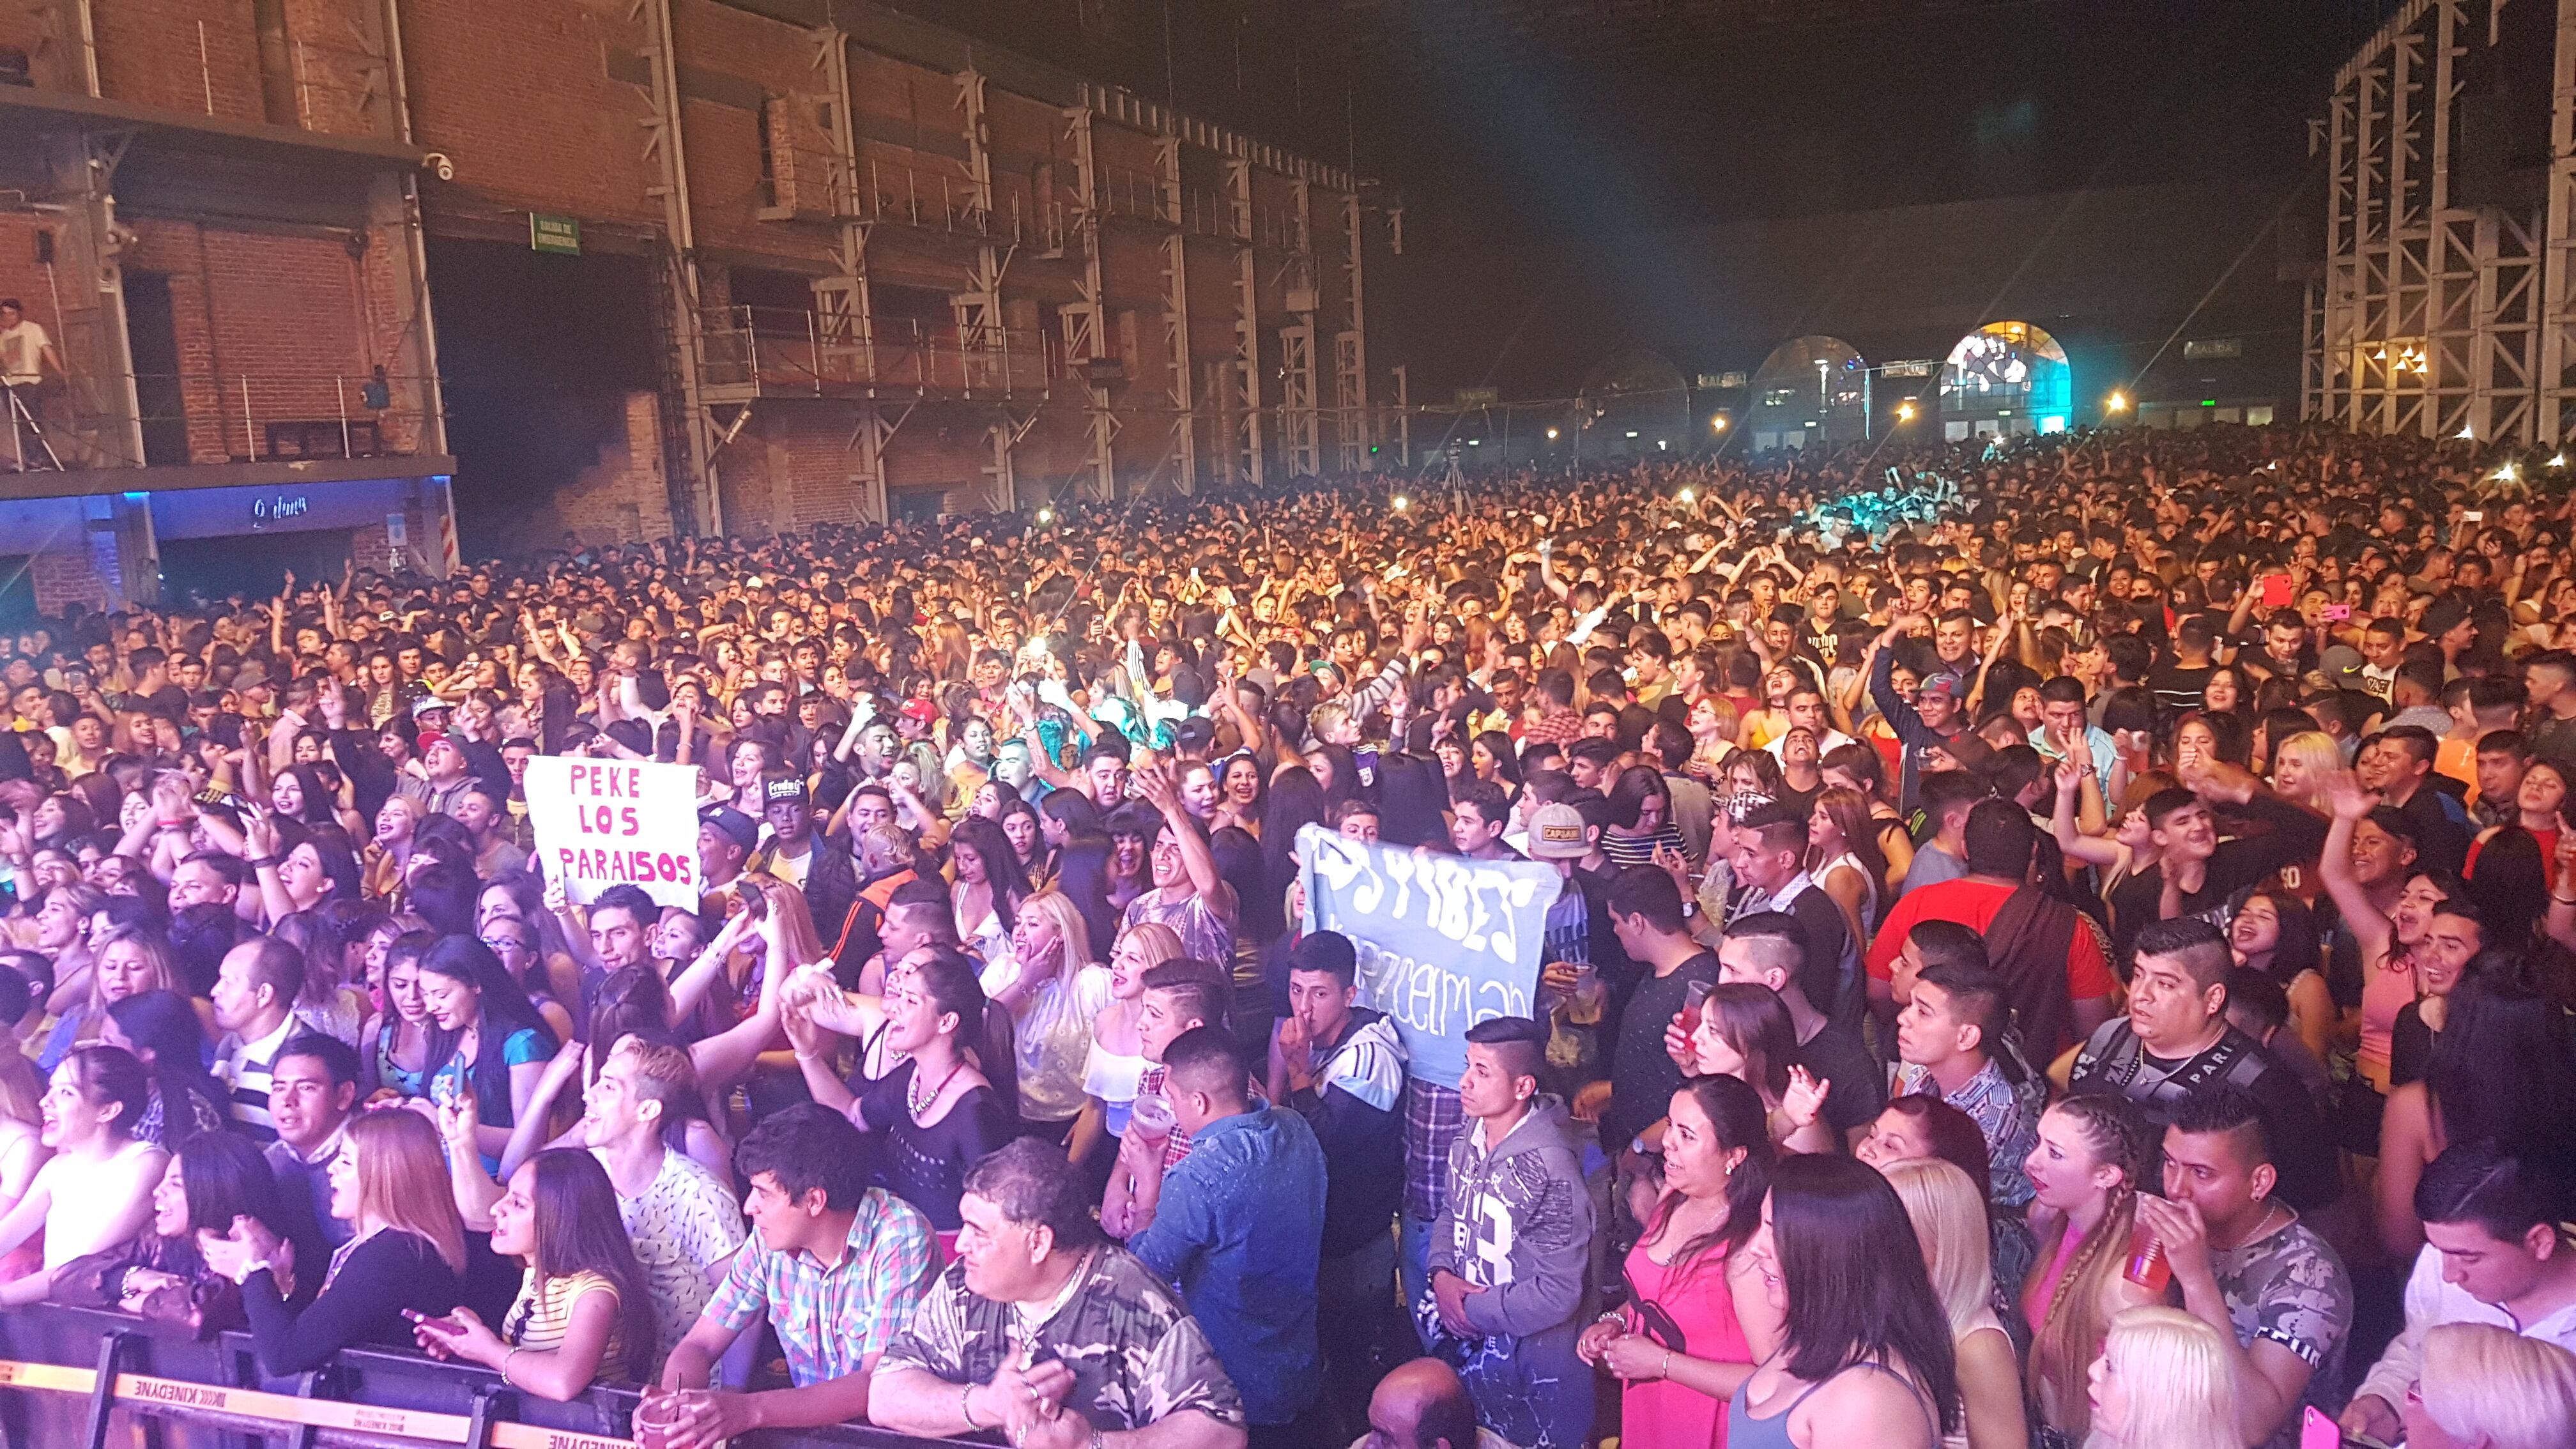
(2069, 1333)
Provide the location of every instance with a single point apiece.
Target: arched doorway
(1812, 389)
(2008, 379)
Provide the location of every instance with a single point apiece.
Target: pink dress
(1689, 1296)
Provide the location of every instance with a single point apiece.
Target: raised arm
(2369, 925)
(1155, 783)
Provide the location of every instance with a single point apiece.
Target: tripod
(21, 423)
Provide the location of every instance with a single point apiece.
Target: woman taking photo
(96, 1190)
(1948, 1209)
(1863, 1353)
(2162, 1382)
(1677, 1346)
(583, 1314)
(405, 1260)
(487, 1041)
(2093, 1149)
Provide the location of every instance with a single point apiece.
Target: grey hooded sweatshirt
(1518, 1224)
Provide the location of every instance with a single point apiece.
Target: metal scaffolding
(2434, 317)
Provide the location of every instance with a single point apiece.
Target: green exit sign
(560, 234)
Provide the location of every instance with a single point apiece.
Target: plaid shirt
(1433, 1118)
(1149, 1083)
(1556, 727)
(829, 1319)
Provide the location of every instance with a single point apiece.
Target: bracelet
(262, 862)
(966, 1405)
(516, 1351)
(2562, 900)
(1662, 1373)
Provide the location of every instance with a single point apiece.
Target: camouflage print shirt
(2289, 1287)
(1136, 1354)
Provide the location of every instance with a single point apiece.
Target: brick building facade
(892, 270)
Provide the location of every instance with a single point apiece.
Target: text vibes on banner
(1443, 942)
(603, 823)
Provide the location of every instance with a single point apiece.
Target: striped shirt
(244, 1069)
(542, 1316)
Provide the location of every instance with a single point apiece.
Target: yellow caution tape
(145, 1391)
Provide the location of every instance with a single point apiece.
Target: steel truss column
(844, 315)
(1087, 321)
(1176, 315)
(2557, 419)
(1003, 434)
(1244, 447)
(2337, 305)
(1350, 348)
(2504, 363)
(1300, 448)
(665, 151)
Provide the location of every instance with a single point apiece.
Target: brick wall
(78, 576)
(623, 496)
(291, 319)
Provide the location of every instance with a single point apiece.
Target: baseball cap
(428, 704)
(738, 827)
(785, 787)
(2341, 664)
(1941, 683)
(1556, 832)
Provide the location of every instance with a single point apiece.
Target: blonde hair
(2181, 1392)
(2318, 758)
(1155, 944)
(2483, 1382)
(1949, 1215)
(1058, 910)
(2069, 1332)
(402, 1180)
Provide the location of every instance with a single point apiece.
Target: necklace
(917, 1105)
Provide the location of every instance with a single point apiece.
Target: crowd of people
(2070, 954)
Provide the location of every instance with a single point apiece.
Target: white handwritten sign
(1444, 942)
(601, 823)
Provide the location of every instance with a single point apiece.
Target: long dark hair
(228, 1178)
(501, 1005)
(578, 1230)
(1082, 873)
(1858, 1289)
(2503, 1067)
(1736, 1111)
(339, 861)
(1751, 1019)
(1003, 874)
(164, 1024)
(320, 799)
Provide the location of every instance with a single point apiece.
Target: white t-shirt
(22, 353)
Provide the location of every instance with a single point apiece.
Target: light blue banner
(1443, 942)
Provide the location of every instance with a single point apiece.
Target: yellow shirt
(542, 1316)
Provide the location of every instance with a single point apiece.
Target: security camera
(437, 164)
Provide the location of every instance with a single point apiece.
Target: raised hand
(1805, 1099)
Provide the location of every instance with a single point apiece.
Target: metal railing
(71, 1376)
(786, 352)
(212, 416)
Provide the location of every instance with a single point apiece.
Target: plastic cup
(1152, 1117)
(2147, 1265)
(656, 1417)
